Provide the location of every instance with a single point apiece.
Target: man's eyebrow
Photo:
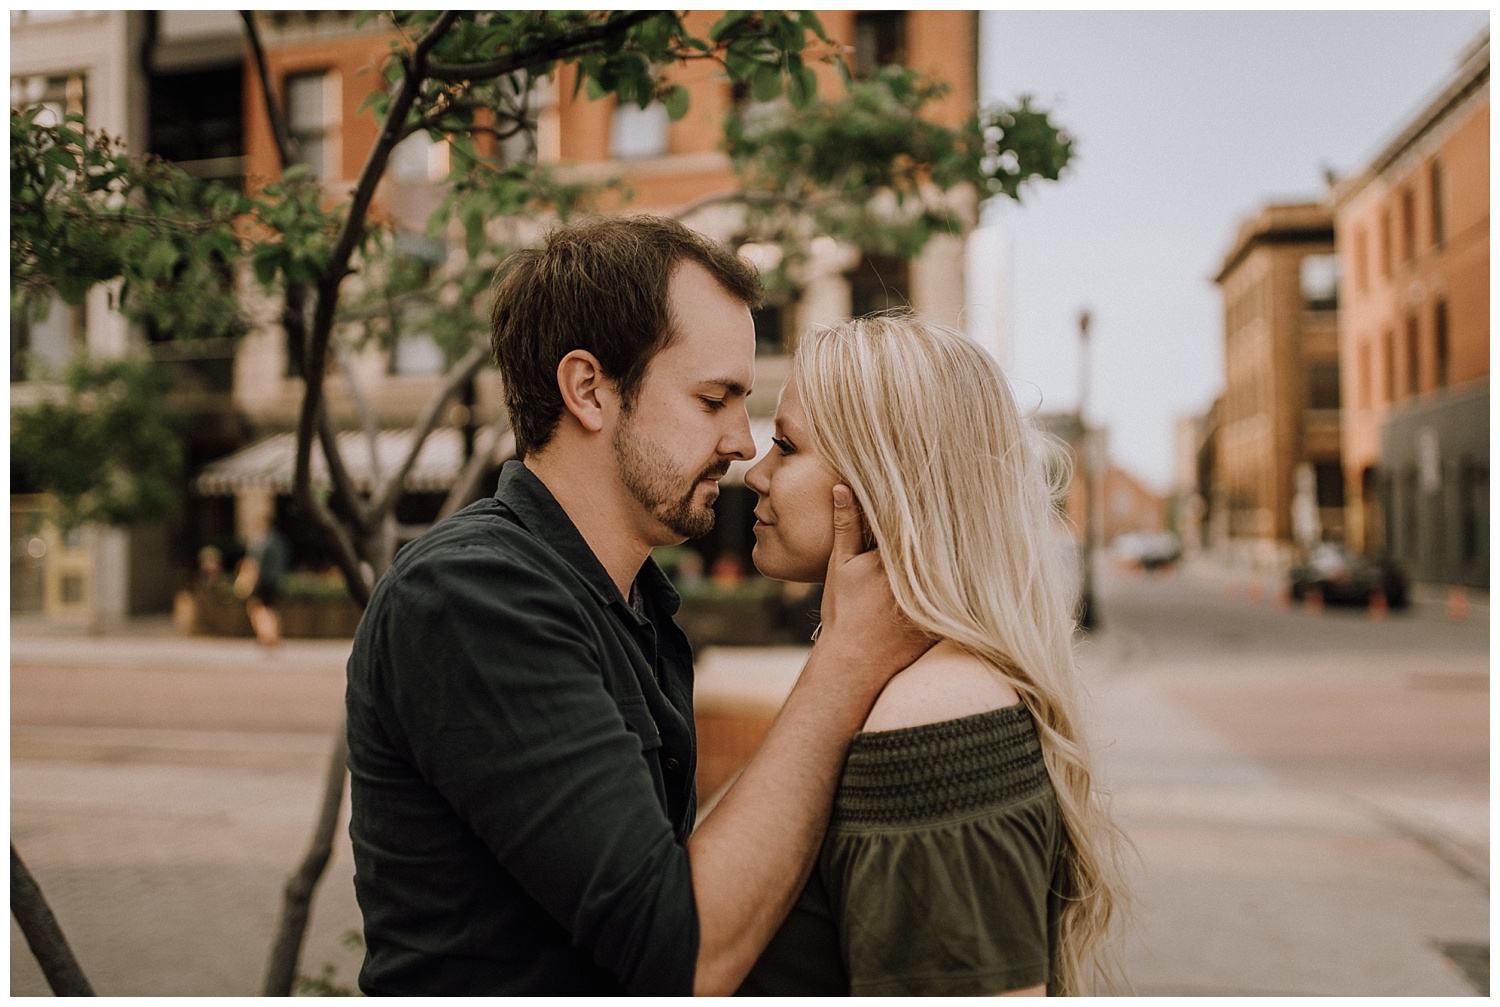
(730, 385)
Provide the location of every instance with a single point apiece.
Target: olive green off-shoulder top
(938, 871)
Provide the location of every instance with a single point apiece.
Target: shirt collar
(533, 503)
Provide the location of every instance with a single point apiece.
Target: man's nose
(739, 443)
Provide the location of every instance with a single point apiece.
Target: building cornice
(1289, 224)
(1471, 79)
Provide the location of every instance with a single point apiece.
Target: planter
(210, 613)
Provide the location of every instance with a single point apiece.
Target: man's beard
(650, 478)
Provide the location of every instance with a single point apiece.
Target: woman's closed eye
(783, 445)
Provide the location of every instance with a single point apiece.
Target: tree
(864, 166)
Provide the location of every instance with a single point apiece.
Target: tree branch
(338, 474)
(338, 267)
(286, 144)
(43, 935)
(743, 198)
(466, 487)
(561, 47)
(281, 970)
(435, 121)
(461, 372)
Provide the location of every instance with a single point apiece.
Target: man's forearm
(753, 853)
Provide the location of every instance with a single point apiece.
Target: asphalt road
(1308, 795)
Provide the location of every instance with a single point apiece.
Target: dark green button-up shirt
(522, 754)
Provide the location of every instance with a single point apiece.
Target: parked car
(1149, 550)
(1342, 576)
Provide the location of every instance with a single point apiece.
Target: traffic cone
(1314, 601)
(1458, 603)
(1378, 607)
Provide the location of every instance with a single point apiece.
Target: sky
(1183, 124)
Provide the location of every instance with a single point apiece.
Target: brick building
(180, 84)
(1413, 237)
(1278, 423)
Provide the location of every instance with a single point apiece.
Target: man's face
(689, 421)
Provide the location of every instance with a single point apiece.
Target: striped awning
(267, 464)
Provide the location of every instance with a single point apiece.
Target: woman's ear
(584, 388)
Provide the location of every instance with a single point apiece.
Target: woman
(968, 851)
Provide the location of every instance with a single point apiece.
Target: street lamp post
(1088, 616)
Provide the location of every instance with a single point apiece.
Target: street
(1307, 794)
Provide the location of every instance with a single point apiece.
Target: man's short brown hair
(599, 286)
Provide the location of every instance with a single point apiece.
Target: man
(520, 701)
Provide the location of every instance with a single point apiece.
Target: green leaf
(766, 84)
(161, 256)
(802, 87)
(266, 260)
(676, 100)
(728, 23)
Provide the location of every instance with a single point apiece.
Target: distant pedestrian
(258, 581)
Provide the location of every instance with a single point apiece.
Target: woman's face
(794, 518)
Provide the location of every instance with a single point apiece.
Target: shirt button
(672, 763)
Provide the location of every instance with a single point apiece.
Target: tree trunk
(42, 933)
(281, 971)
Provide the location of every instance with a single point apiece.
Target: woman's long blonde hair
(955, 490)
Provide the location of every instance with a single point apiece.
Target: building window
(1435, 186)
(43, 338)
(1440, 342)
(639, 132)
(879, 40)
(1329, 478)
(1385, 242)
(1390, 366)
(525, 103)
(59, 97)
(1412, 356)
(196, 122)
(1323, 385)
(1475, 504)
(1320, 282)
(1361, 261)
(419, 158)
(770, 329)
(878, 284)
(1408, 225)
(312, 113)
(1364, 375)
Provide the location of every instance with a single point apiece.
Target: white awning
(267, 465)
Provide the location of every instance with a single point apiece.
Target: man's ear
(584, 388)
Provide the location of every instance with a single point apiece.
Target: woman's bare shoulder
(943, 684)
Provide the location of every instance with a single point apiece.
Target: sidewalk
(164, 851)
(1246, 886)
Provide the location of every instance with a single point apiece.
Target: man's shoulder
(475, 571)
(484, 543)
(488, 526)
